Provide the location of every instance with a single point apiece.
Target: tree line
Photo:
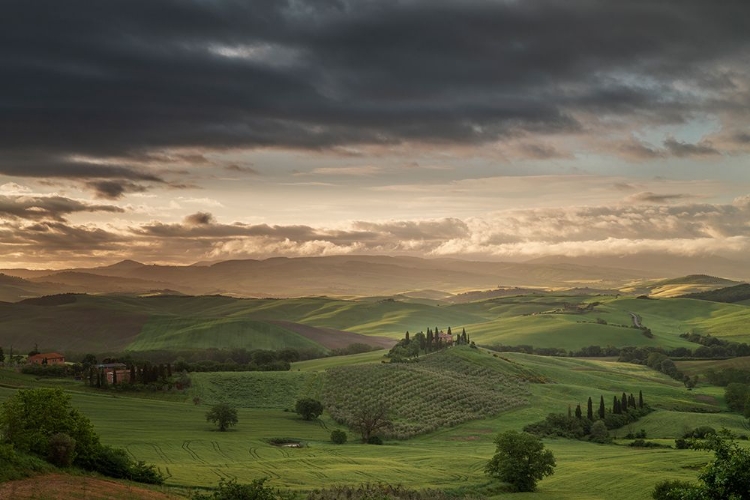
(595, 423)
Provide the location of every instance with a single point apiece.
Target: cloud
(649, 197)
(114, 189)
(685, 149)
(241, 169)
(47, 207)
(199, 219)
(338, 75)
(357, 171)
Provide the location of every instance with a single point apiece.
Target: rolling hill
(117, 322)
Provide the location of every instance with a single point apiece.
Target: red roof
(48, 355)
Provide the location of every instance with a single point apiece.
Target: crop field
(443, 390)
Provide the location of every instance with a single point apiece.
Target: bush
(61, 450)
(374, 440)
(231, 490)
(665, 490)
(599, 433)
(338, 436)
(701, 432)
(308, 408)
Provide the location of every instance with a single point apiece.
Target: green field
(110, 323)
(175, 436)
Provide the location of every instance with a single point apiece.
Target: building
(46, 358)
(112, 370)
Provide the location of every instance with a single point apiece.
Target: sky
(178, 131)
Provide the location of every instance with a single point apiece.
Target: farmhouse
(46, 358)
(445, 338)
(115, 372)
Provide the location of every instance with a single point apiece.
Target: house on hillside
(46, 358)
(115, 372)
(445, 338)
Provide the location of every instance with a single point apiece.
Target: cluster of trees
(633, 354)
(712, 347)
(737, 397)
(727, 376)
(596, 422)
(410, 347)
(726, 477)
(43, 423)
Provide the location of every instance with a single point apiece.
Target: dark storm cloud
(125, 78)
(112, 190)
(685, 149)
(655, 198)
(47, 207)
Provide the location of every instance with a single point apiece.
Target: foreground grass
(191, 452)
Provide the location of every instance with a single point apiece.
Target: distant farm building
(115, 372)
(445, 338)
(46, 358)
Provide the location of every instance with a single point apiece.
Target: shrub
(338, 436)
(61, 450)
(599, 433)
(665, 490)
(308, 408)
(374, 440)
(231, 490)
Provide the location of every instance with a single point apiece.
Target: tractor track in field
(160, 452)
(254, 453)
(218, 450)
(193, 454)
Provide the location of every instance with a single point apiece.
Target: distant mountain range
(357, 276)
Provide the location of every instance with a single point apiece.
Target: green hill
(731, 294)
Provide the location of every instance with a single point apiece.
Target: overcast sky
(175, 131)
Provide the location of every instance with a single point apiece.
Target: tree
(369, 419)
(640, 399)
(579, 414)
(222, 415)
(338, 436)
(599, 432)
(590, 410)
(726, 478)
(520, 460)
(601, 406)
(31, 417)
(2, 355)
(309, 408)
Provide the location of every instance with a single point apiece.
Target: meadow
(174, 435)
(111, 323)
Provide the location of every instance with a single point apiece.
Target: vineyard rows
(442, 390)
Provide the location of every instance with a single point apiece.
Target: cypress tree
(631, 401)
(406, 337)
(579, 414)
(640, 399)
(590, 410)
(601, 406)
(569, 413)
(132, 374)
(624, 402)
(616, 405)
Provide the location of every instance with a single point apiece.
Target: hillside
(730, 295)
(342, 276)
(116, 322)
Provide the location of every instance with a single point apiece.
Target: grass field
(106, 323)
(175, 436)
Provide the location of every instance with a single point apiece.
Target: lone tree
(369, 419)
(309, 408)
(520, 460)
(222, 415)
